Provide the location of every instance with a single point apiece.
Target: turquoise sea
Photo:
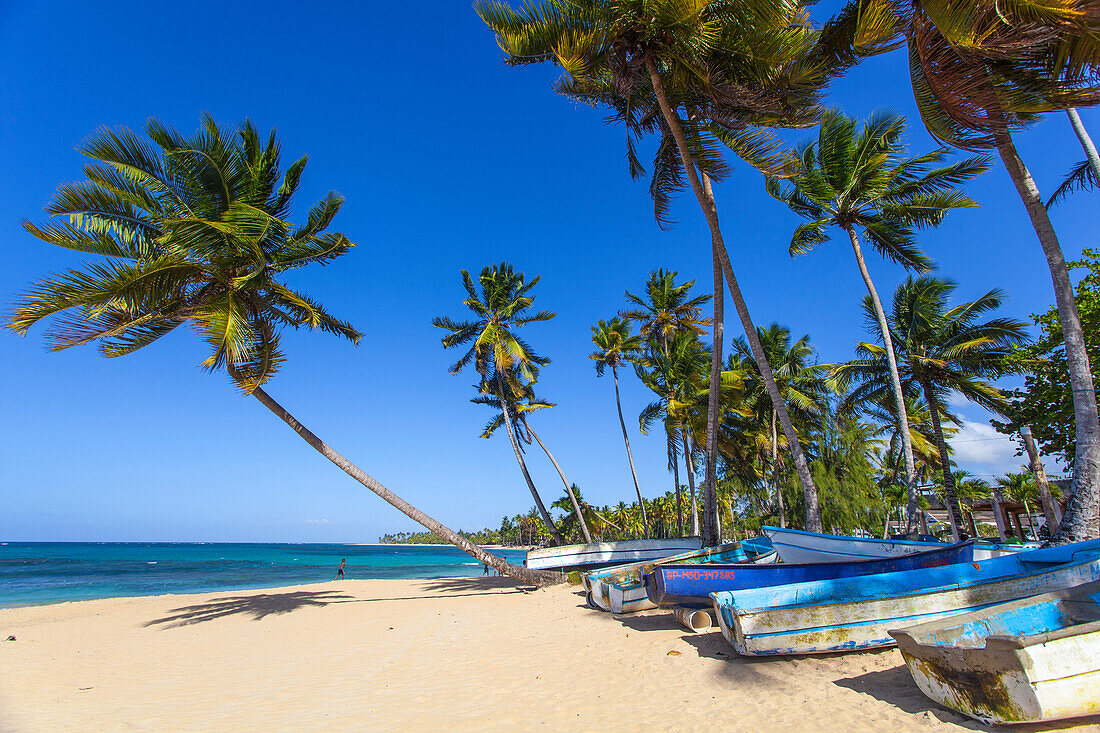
(34, 573)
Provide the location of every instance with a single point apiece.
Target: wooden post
(1050, 508)
(973, 524)
(998, 514)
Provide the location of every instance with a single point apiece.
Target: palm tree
(614, 346)
(502, 359)
(521, 410)
(799, 383)
(1020, 487)
(674, 373)
(1085, 175)
(940, 350)
(195, 231)
(666, 310)
(978, 73)
(864, 181)
(736, 64)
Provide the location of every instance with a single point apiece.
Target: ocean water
(34, 573)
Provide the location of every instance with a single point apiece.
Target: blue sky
(448, 160)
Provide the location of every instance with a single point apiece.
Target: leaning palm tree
(940, 350)
(521, 410)
(737, 64)
(980, 71)
(863, 180)
(615, 346)
(502, 359)
(194, 231)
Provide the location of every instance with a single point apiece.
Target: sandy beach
(454, 654)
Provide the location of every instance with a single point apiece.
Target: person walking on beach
(486, 570)
(340, 570)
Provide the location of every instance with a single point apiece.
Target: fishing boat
(1026, 661)
(798, 546)
(857, 613)
(603, 554)
(673, 584)
(621, 589)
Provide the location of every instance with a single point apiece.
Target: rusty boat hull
(1027, 661)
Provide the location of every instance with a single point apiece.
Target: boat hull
(800, 547)
(1031, 660)
(620, 589)
(603, 554)
(676, 585)
(857, 613)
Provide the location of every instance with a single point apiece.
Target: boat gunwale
(1050, 567)
(1004, 641)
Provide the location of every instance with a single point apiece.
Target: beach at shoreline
(454, 653)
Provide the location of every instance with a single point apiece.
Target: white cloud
(956, 400)
(318, 521)
(982, 450)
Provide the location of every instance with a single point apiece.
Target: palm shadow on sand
(261, 605)
(258, 605)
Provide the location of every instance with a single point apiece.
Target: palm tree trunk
(1086, 141)
(629, 455)
(568, 486)
(775, 476)
(689, 465)
(710, 211)
(1079, 522)
(950, 499)
(1050, 509)
(523, 465)
(499, 564)
(675, 461)
(711, 526)
(895, 379)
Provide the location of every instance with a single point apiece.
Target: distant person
(340, 570)
(486, 570)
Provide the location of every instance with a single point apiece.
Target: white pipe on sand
(693, 619)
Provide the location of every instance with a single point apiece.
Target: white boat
(602, 554)
(798, 546)
(1027, 661)
(858, 613)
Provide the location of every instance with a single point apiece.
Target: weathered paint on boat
(678, 585)
(799, 546)
(620, 589)
(602, 554)
(1026, 661)
(857, 613)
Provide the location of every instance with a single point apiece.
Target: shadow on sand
(896, 687)
(261, 605)
(258, 605)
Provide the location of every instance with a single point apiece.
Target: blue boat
(620, 589)
(857, 613)
(690, 586)
(1026, 661)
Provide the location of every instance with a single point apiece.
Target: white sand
(460, 654)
